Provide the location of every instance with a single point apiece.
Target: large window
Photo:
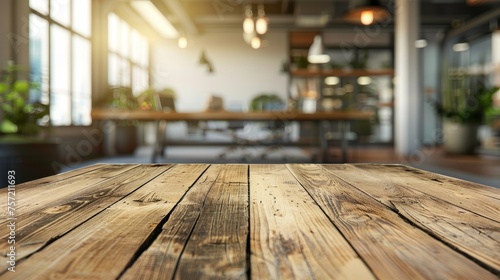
(60, 58)
(128, 61)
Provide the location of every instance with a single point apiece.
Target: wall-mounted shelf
(308, 88)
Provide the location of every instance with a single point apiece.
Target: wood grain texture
(453, 183)
(160, 260)
(34, 229)
(102, 247)
(32, 187)
(480, 199)
(302, 221)
(290, 236)
(33, 197)
(448, 222)
(217, 245)
(54, 178)
(391, 247)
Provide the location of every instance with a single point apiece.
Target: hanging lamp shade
(248, 22)
(366, 12)
(316, 54)
(261, 24)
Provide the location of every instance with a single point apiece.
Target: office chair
(164, 103)
(279, 131)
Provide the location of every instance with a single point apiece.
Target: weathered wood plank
(160, 260)
(54, 178)
(28, 188)
(217, 245)
(290, 236)
(454, 183)
(452, 224)
(391, 247)
(102, 247)
(36, 228)
(31, 198)
(476, 198)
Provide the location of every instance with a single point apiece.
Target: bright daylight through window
(60, 58)
(128, 61)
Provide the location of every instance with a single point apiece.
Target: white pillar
(408, 100)
(495, 48)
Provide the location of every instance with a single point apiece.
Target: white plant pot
(459, 138)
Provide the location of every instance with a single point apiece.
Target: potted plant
(23, 148)
(125, 134)
(147, 98)
(462, 113)
(19, 116)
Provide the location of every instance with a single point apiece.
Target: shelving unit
(308, 83)
(318, 73)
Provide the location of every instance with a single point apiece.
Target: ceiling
(206, 15)
(467, 19)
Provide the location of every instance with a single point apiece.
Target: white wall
(240, 72)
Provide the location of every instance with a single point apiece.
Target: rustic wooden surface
(294, 221)
(222, 115)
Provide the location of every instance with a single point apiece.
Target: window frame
(129, 58)
(72, 33)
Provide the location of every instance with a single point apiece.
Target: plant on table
(19, 115)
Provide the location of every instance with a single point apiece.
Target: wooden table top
(114, 114)
(303, 221)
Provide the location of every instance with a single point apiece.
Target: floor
(476, 168)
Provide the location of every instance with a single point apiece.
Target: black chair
(165, 103)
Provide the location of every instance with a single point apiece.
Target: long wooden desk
(292, 221)
(343, 117)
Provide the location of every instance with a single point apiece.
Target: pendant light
(315, 54)
(262, 21)
(248, 23)
(366, 12)
(256, 42)
(182, 42)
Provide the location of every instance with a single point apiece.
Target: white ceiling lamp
(420, 44)
(332, 80)
(364, 81)
(460, 47)
(256, 42)
(315, 54)
(261, 24)
(155, 18)
(182, 42)
(248, 23)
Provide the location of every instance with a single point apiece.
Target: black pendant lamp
(366, 12)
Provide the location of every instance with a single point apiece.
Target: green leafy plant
(147, 101)
(119, 97)
(492, 114)
(18, 115)
(468, 108)
(266, 102)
